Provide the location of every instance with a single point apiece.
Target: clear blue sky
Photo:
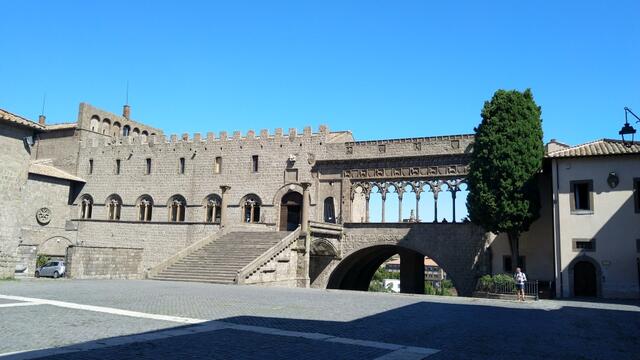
(383, 69)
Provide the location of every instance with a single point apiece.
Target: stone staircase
(220, 260)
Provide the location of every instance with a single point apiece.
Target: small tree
(507, 155)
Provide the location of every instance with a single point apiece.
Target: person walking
(520, 279)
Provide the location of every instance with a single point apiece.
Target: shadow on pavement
(459, 331)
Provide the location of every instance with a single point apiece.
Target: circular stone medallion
(43, 215)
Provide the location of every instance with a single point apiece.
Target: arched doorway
(585, 279)
(290, 211)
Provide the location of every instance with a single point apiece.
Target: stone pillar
(384, 198)
(366, 211)
(435, 206)
(411, 272)
(305, 206)
(417, 207)
(223, 206)
(399, 207)
(453, 199)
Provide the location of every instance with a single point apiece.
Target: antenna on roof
(42, 118)
(126, 109)
(44, 100)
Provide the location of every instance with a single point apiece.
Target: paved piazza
(102, 319)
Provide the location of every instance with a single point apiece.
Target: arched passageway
(356, 271)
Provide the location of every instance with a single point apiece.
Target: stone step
(220, 260)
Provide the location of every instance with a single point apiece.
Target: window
(117, 166)
(148, 169)
(86, 207)
(254, 163)
(251, 209)
(582, 197)
(329, 211)
(212, 209)
(181, 166)
(113, 204)
(584, 244)
(90, 166)
(177, 205)
(636, 193)
(217, 166)
(508, 267)
(145, 208)
(126, 130)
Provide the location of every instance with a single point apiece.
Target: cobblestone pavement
(158, 320)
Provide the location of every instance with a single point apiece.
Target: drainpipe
(557, 259)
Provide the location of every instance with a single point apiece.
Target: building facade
(108, 187)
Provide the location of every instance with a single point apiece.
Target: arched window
(115, 129)
(145, 208)
(113, 205)
(212, 208)
(177, 205)
(135, 132)
(251, 209)
(126, 130)
(144, 134)
(86, 207)
(329, 210)
(106, 127)
(95, 123)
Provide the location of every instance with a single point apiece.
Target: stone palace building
(120, 199)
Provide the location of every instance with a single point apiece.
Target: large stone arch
(460, 249)
(54, 246)
(283, 190)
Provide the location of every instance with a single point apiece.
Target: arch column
(223, 204)
(400, 193)
(384, 199)
(305, 206)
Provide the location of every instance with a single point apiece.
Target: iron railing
(508, 288)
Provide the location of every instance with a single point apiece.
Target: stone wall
(61, 146)
(91, 262)
(159, 240)
(14, 158)
(275, 176)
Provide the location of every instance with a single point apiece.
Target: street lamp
(627, 129)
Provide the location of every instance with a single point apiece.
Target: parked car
(54, 269)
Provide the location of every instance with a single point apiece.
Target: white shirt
(520, 278)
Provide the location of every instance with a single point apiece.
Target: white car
(54, 269)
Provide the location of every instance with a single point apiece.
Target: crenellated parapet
(211, 138)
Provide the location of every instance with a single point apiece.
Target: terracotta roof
(600, 147)
(43, 169)
(16, 119)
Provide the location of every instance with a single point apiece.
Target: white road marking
(18, 304)
(106, 310)
(200, 325)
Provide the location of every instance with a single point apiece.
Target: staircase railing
(154, 271)
(267, 256)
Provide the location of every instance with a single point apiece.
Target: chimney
(126, 111)
(41, 119)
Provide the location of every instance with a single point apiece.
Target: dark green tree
(507, 156)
